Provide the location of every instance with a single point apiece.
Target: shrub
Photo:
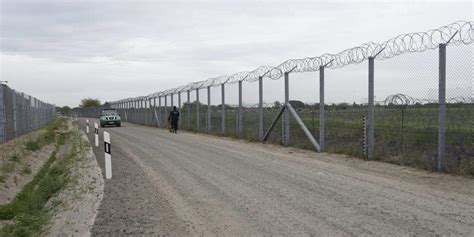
(26, 170)
(15, 157)
(32, 145)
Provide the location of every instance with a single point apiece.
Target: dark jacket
(174, 116)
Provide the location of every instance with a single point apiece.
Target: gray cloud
(138, 47)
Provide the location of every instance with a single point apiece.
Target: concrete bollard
(108, 156)
(87, 126)
(96, 131)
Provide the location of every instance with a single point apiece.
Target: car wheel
(119, 124)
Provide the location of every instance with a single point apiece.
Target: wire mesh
(21, 113)
(406, 125)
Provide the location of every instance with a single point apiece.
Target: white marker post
(96, 131)
(87, 126)
(108, 156)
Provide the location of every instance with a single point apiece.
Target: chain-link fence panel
(21, 114)
(460, 109)
(406, 112)
(250, 123)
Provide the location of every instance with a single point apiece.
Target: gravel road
(192, 184)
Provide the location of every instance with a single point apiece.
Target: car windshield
(109, 112)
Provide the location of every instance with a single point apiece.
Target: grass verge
(29, 210)
(13, 153)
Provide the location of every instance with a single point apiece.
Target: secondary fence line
(21, 113)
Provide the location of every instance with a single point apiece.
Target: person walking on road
(173, 119)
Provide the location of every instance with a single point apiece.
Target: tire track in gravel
(210, 185)
(402, 214)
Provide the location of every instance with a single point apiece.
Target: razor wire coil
(460, 32)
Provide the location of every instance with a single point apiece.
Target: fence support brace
(305, 129)
(274, 122)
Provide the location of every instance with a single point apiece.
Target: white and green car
(110, 117)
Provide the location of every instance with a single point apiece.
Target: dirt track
(191, 184)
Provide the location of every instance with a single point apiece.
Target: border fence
(21, 113)
(422, 115)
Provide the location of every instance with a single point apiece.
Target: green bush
(15, 157)
(26, 170)
(32, 145)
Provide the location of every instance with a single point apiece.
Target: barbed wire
(460, 32)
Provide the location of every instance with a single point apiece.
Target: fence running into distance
(21, 113)
(423, 117)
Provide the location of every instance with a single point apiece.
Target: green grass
(47, 137)
(8, 167)
(32, 145)
(26, 170)
(404, 136)
(15, 157)
(29, 209)
(414, 145)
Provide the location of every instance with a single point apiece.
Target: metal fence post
(370, 111)
(160, 109)
(36, 114)
(260, 107)
(239, 123)
(140, 108)
(165, 116)
(179, 107)
(197, 110)
(22, 113)
(132, 111)
(133, 108)
(223, 109)
(172, 100)
(286, 118)
(15, 113)
(188, 116)
(29, 113)
(129, 107)
(144, 111)
(154, 110)
(442, 108)
(2, 115)
(321, 108)
(209, 110)
(151, 109)
(136, 110)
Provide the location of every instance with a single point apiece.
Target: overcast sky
(62, 51)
